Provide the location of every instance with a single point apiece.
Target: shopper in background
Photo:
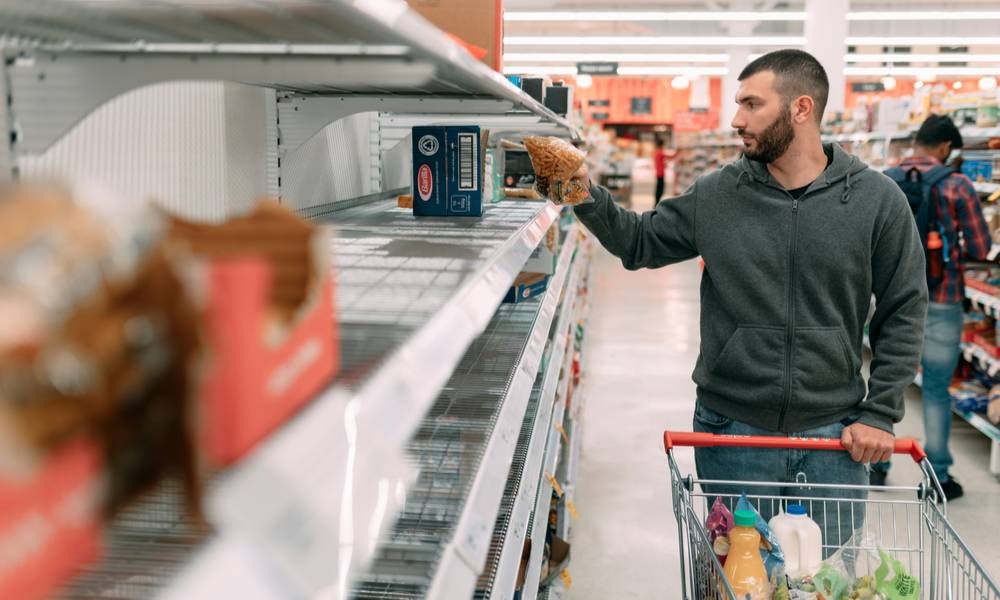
(965, 234)
(796, 236)
(660, 165)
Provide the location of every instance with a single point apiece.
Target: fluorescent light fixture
(590, 41)
(650, 70)
(584, 81)
(653, 16)
(929, 15)
(957, 57)
(924, 41)
(988, 83)
(575, 57)
(680, 83)
(918, 71)
(688, 71)
(547, 69)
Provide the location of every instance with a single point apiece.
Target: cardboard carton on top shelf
(478, 23)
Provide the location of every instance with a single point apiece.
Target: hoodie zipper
(790, 315)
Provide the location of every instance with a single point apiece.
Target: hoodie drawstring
(847, 190)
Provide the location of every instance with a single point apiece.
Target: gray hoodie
(787, 287)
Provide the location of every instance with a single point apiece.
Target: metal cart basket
(908, 522)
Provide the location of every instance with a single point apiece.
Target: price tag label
(562, 432)
(567, 579)
(555, 484)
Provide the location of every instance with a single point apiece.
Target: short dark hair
(938, 129)
(797, 73)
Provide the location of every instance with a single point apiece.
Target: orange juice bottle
(744, 567)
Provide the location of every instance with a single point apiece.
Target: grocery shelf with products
(389, 479)
(981, 353)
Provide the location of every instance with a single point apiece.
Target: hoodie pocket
(821, 360)
(753, 356)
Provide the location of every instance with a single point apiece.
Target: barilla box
(448, 171)
(259, 375)
(526, 286)
(49, 522)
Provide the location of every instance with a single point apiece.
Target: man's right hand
(583, 176)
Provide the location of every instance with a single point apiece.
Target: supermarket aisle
(642, 345)
(624, 545)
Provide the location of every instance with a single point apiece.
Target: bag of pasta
(555, 161)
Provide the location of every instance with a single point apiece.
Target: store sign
(600, 116)
(696, 121)
(868, 86)
(597, 68)
(642, 105)
(604, 102)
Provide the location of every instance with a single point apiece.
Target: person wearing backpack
(951, 228)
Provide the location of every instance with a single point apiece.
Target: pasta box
(448, 170)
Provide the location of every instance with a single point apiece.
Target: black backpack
(925, 204)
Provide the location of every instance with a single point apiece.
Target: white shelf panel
(986, 188)
(983, 302)
(509, 552)
(304, 510)
(466, 553)
(544, 495)
(74, 55)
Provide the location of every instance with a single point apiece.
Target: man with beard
(796, 236)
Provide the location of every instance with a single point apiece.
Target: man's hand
(583, 175)
(868, 444)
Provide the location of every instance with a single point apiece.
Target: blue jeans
(838, 519)
(942, 348)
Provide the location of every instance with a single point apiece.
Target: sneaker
(876, 477)
(952, 489)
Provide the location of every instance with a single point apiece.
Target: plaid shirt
(963, 217)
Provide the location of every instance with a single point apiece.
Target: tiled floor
(642, 345)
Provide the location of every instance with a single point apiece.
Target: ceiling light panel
(935, 15)
(590, 41)
(605, 16)
(902, 57)
(576, 57)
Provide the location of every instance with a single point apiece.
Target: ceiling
(874, 33)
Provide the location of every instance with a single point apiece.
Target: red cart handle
(700, 440)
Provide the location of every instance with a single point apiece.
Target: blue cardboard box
(448, 171)
(527, 286)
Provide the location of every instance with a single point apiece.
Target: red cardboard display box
(49, 523)
(260, 375)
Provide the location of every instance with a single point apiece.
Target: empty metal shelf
(449, 457)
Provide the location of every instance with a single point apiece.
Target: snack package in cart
(719, 522)
(770, 550)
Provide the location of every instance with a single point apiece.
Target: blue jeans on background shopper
(838, 520)
(942, 348)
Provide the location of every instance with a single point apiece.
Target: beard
(774, 140)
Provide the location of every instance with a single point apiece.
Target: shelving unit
(984, 361)
(527, 475)
(310, 507)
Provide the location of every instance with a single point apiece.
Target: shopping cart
(906, 522)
